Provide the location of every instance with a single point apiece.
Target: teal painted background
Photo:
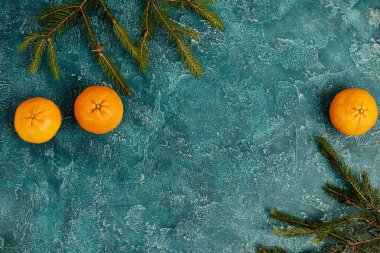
(196, 163)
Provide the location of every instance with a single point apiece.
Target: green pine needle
(189, 58)
(125, 40)
(353, 182)
(37, 56)
(142, 46)
(264, 249)
(293, 232)
(147, 20)
(109, 67)
(317, 239)
(119, 31)
(89, 29)
(205, 12)
(343, 195)
(356, 232)
(55, 20)
(53, 60)
(290, 219)
(201, 8)
(58, 21)
(147, 26)
(182, 47)
(28, 40)
(105, 62)
(57, 13)
(187, 32)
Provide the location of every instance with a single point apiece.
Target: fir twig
(105, 62)
(357, 232)
(53, 59)
(28, 40)
(182, 47)
(147, 26)
(120, 32)
(57, 12)
(55, 20)
(201, 8)
(125, 40)
(363, 193)
(264, 249)
(343, 195)
(112, 71)
(290, 219)
(37, 55)
(89, 29)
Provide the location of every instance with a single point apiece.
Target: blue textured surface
(196, 163)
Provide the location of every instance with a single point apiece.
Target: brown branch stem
(89, 28)
(107, 10)
(80, 7)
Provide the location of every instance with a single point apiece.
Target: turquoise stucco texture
(197, 162)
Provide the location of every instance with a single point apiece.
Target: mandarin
(98, 109)
(37, 120)
(353, 111)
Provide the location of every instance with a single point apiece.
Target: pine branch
(57, 13)
(365, 241)
(289, 219)
(147, 26)
(105, 62)
(372, 193)
(53, 59)
(206, 13)
(354, 183)
(37, 55)
(182, 47)
(189, 58)
(55, 20)
(368, 245)
(343, 195)
(264, 249)
(120, 32)
(125, 40)
(357, 232)
(201, 8)
(28, 40)
(293, 232)
(190, 33)
(321, 230)
(89, 29)
(113, 73)
(334, 249)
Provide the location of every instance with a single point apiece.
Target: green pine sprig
(57, 13)
(147, 26)
(38, 50)
(109, 67)
(105, 62)
(28, 40)
(156, 13)
(53, 59)
(120, 32)
(172, 30)
(201, 8)
(358, 231)
(264, 249)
